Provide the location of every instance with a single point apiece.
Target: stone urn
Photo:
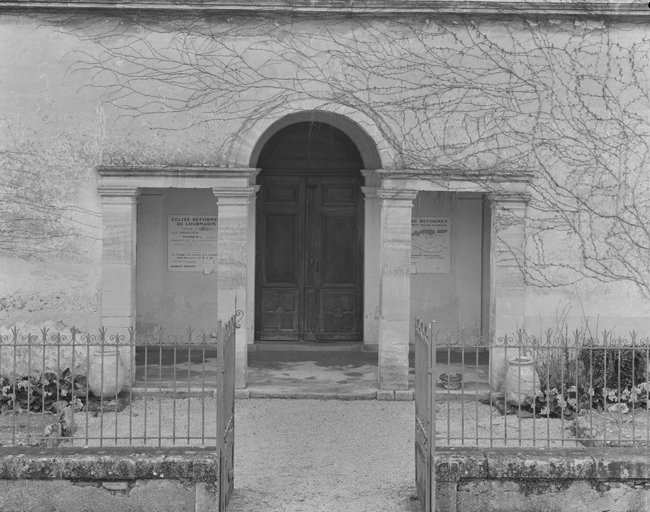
(521, 380)
(106, 373)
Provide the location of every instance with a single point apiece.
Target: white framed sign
(430, 245)
(192, 243)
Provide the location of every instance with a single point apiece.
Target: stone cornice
(108, 191)
(347, 7)
(223, 192)
(453, 175)
(503, 198)
(369, 192)
(397, 194)
(234, 196)
(176, 172)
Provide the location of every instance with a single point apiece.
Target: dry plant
(556, 357)
(39, 216)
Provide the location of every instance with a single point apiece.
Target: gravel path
(324, 455)
(321, 455)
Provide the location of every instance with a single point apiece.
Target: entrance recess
(309, 230)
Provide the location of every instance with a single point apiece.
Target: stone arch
(375, 150)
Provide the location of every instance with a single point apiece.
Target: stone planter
(106, 373)
(521, 380)
(452, 380)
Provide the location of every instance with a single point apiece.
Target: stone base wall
(112, 479)
(548, 480)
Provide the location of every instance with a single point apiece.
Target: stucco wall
(55, 294)
(591, 305)
(65, 110)
(453, 300)
(51, 139)
(174, 300)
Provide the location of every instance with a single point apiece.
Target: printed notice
(192, 243)
(430, 245)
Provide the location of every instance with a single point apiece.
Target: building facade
(335, 170)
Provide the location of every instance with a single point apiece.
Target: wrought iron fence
(107, 389)
(557, 388)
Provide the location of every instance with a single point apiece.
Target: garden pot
(521, 380)
(106, 373)
(452, 380)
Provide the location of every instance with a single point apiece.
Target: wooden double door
(309, 257)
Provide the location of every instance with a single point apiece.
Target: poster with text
(192, 243)
(430, 245)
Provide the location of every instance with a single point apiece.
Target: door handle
(311, 261)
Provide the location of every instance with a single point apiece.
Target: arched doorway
(309, 236)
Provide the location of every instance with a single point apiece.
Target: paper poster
(192, 243)
(430, 245)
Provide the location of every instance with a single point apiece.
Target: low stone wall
(109, 479)
(548, 480)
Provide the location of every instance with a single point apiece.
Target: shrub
(585, 373)
(39, 393)
(556, 360)
(617, 368)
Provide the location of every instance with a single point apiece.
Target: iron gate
(226, 410)
(424, 414)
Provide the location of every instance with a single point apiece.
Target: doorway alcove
(309, 236)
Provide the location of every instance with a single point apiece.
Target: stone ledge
(386, 394)
(242, 394)
(313, 395)
(404, 395)
(381, 394)
(454, 464)
(111, 464)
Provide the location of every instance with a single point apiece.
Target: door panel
(339, 266)
(281, 237)
(339, 194)
(281, 314)
(279, 259)
(338, 313)
(309, 258)
(337, 235)
(282, 193)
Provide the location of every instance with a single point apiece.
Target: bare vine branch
(566, 101)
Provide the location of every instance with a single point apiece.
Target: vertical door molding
(279, 254)
(338, 246)
(249, 320)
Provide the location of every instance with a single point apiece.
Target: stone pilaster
(508, 285)
(395, 294)
(232, 278)
(119, 227)
(371, 269)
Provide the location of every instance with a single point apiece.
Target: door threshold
(341, 346)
